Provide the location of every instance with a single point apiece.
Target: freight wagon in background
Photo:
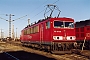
(83, 33)
(52, 33)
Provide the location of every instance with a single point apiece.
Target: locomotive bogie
(62, 46)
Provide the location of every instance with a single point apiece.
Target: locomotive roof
(46, 19)
(83, 23)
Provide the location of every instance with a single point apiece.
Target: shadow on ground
(22, 55)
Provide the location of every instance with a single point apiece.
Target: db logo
(29, 37)
(87, 34)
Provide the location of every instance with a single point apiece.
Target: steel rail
(11, 56)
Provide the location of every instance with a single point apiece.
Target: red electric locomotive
(54, 34)
(83, 33)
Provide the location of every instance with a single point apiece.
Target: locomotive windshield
(69, 24)
(58, 24)
(63, 24)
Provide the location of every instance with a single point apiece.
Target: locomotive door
(41, 32)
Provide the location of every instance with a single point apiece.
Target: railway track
(5, 55)
(21, 53)
(10, 57)
(72, 57)
(58, 57)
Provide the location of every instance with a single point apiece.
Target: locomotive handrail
(83, 43)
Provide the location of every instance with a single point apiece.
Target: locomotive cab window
(69, 24)
(63, 24)
(58, 24)
(48, 25)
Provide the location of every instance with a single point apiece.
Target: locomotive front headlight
(57, 37)
(60, 38)
(54, 37)
(74, 38)
(71, 37)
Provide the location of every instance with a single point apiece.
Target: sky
(34, 9)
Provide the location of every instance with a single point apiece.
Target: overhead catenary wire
(44, 9)
(21, 17)
(55, 1)
(40, 5)
(2, 18)
(36, 9)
